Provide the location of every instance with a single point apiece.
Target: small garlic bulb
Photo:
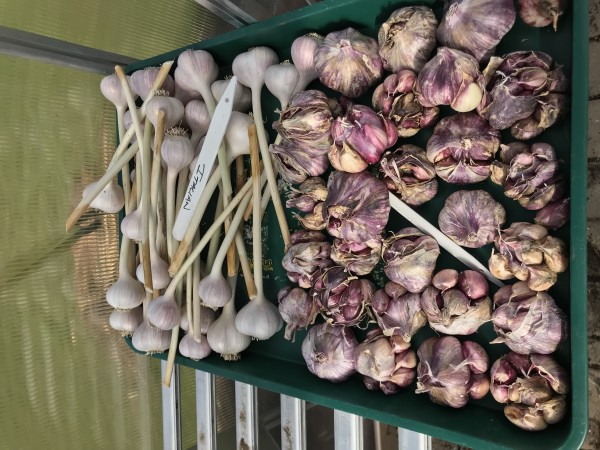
(303, 51)
(164, 312)
(176, 150)
(242, 100)
(112, 89)
(196, 70)
(127, 292)
(141, 81)
(236, 135)
(250, 67)
(126, 321)
(149, 339)
(214, 290)
(224, 338)
(281, 81)
(110, 200)
(195, 350)
(131, 225)
(172, 107)
(259, 319)
(198, 119)
(160, 270)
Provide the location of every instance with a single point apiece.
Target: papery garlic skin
(361, 135)
(357, 207)
(308, 254)
(348, 62)
(387, 363)
(554, 215)
(329, 352)
(541, 13)
(462, 148)
(296, 164)
(407, 172)
(458, 309)
(528, 252)
(471, 218)
(476, 26)
(358, 258)
(533, 387)
(410, 257)
(452, 78)
(397, 311)
(444, 373)
(297, 309)
(396, 100)
(528, 321)
(342, 299)
(407, 38)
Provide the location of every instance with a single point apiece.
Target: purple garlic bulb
(541, 13)
(452, 78)
(397, 311)
(309, 198)
(358, 258)
(526, 251)
(306, 121)
(396, 100)
(532, 176)
(476, 26)
(407, 172)
(554, 215)
(347, 61)
(457, 304)
(526, 92)
(357, 207)
(534, 388)
(330, 352)
(296, 164)
(297, 309)
(407, 38)
(360, 137)
(342, 298)
(308, 254)
(462, 148)
(471, 218)
(410, 258)
(451, 372)
(386, 363)
(528, 321)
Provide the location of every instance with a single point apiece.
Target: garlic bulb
(126, 293)
(303, 52)
(541, 13)
(214, 290)
(195, 350)
(198, 119)
(196, 71)
(250, 67)
(142, 80)
(126, 321)
(110, 200)
(149, 339)
(297, 309)
(259, 319)
(281, 80)
(407, 38)
(207, 317)
(173, 108)
(164, 312)
(113, 90)
(223, 336)
(131, 225)
(160, 270)
(242, 99)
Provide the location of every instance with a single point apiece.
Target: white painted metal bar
(293, 423)
(410, 440)
(206, 422)
(348, 431)
(171, 410)
(246, 416)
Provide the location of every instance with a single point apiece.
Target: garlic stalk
(218, 221)
(250, 68)
(214, 289)
(113, 92)
(260, 318)
(124, 155)
(223, 336)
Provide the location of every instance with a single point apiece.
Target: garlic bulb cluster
(386, 363)
(534, 388)
(308, 255)
(451, 372)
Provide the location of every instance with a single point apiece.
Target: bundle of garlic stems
(163, 159)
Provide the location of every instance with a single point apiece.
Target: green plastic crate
(277, 364)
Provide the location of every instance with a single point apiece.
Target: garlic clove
(445, 279)
(149, 339)
(193, 349)
(110, 200)
(479, 385)
(524, 417)
(554, 410)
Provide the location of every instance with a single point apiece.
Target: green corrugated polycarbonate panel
(277, 364)
(70, 382)
(135, 28)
